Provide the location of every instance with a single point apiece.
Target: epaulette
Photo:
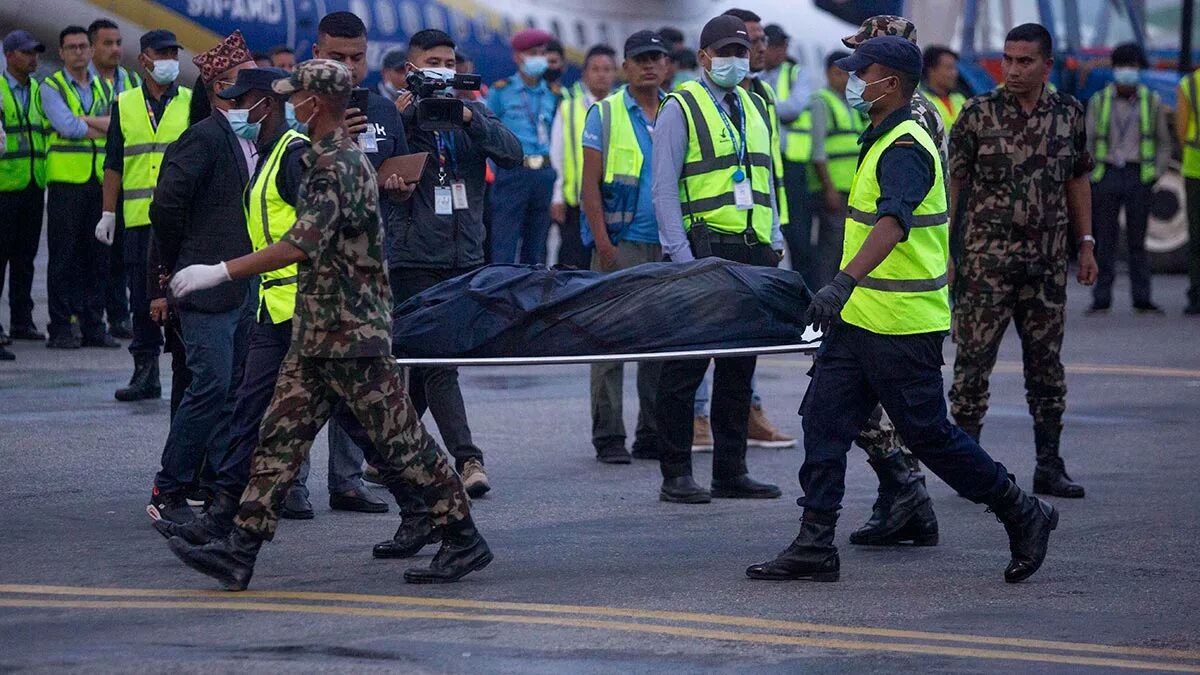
(499, 84)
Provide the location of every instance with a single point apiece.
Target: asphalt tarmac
(592, 573)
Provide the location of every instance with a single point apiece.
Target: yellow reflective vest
(623, 162)
(572, 110)
(24, 159)
(1191, 142)
(1148, 105)
(144, 148)
(843, 126)
(75, 160)
(949, 114)
(706, 184)
(907, 293)
(268, 218)
(767, 94)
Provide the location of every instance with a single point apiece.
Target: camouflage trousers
(1031, 297)
(879, 436)
(373, 388)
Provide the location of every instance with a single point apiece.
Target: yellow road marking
(758, 638)
(691, 617)
(1016, 367)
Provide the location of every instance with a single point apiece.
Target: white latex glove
(197, 278)
(106, 228)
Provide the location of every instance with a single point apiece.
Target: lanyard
(535, 119)
(150, 112)
(739, 142)
(446, 153)
(1125, 123)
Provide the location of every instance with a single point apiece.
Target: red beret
(530, 38)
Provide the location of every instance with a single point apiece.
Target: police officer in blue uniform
(526, 105)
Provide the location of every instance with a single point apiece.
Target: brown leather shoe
(762, 434)
(702, 438)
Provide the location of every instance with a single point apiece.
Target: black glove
(827, 304)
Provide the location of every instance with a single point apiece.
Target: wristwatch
(1087, 239)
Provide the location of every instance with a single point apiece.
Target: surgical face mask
(289, 114)
(1126, 76)
(165, 71)
(854, 93)
(239, 119)
(535, 66)
(728, 71)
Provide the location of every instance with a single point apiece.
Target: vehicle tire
(1167, 232)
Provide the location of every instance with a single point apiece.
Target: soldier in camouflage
(1019, 159)
(340, 350)
(903, 509)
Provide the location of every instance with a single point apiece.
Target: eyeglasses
(225, 84)
(75, 48)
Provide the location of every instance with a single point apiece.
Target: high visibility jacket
(75, 160)
(843, 126)
(1191, 142)
(24, 159)
(907, 292)
(706, 183)
(269, 217)
(767, 94)
(623, 162)
(797, 132)
(949, 114)
(573, 112)
(127, 79)
(1148, 105)
(144, 148)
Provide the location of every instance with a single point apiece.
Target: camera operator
(438, 233)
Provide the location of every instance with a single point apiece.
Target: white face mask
(165, 71)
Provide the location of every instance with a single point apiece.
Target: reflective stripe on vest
(269, 217)
(1191, 145)
(768, 96)
(623, 162)
(907, 292)
(1148, 126)
(24, 159)
(797, 139)
(843, 126)
(573, 112)
(706, 183)
(144, 148)
(75, 161)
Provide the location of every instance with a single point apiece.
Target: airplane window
(410, 17)
(386, 16)
(434, 18)
(556, 28)
(360, 9)
(580, 34)
(531, 22)
(605, 35)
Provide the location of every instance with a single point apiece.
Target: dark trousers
(521, 214)
(572, 252)
(730, 395)
(216, 353)
(20, 235)
(854, 371)
(77, 269)
(802, 206)
(1192, 194)
(147, 335)
(265, 349)
(1121, 187)
(116, 301)
(181, 377)
(830, 233)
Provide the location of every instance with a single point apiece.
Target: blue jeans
(703, 394)
(521, 214)
(345, 460)
(854, 371)
(216, 352)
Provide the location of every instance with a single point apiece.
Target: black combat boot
(812, 556)
(903, 511)
(145, 381)
(973, 429)
(214, 523)
(1050, 477)
(1028, 521)
(463, 551)
(416, 529)
(229, 560)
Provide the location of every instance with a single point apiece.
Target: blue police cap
(159, 40)
(251, 79)
(892, 51)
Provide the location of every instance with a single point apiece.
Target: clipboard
(408, 167)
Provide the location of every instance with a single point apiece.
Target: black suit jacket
(197, 215)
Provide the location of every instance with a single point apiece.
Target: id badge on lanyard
(368, 141)
(743, 196)
(443, 200)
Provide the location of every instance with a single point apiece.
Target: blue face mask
(289, 115)
(728, 71)
(239, 120)
(535, 66)
(855, 88)
(1126, 76)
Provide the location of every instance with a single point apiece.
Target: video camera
(437, 112)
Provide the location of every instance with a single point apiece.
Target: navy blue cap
(644, 42)
(251, 79)
(159, 39)
(22, 41)
(888, 50)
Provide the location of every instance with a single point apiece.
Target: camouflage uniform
(1014, 168)
(879, 436)
(341, 339)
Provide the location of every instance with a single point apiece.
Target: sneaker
(170, 506)
(702, 438)
(760, 433)
(67, 341)
(103, 341)
(613, 454)
(1193, 309)
(475, 481)
(1147, 308)
(198, 497)
(5, 340)
(120, 330)
(28, 332)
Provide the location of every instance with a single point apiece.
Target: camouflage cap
(878, 26)
(320, 76)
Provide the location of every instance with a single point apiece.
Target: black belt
(735, 239)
